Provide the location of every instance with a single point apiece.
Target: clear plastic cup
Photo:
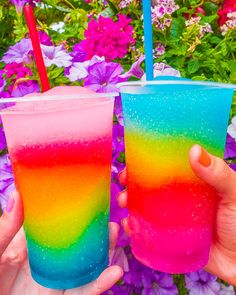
(171, 211)
(61, 148)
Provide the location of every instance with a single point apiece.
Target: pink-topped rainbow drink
(61, 156)
(171, 211)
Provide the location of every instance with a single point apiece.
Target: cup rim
(177, 82)
(55, 97)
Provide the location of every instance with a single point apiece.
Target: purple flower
(19, 52)
(233, 166)
(156, 283)
(135, 70)
(118, 257)
(2, 139)
(118, 111)
(103, 76)
(56, 55)
(118, 138)
(134, 276)
(24, 88)
(78, 53)
(230, 148)
(6, 180)
(201, 283)
(21, 3)
(119, 290)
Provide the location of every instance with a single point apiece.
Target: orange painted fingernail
(204, 158)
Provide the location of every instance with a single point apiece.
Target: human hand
(215, 172)
(15, 277)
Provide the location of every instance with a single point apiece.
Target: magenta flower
(16, 71)
(201, 283)
(107, 38)
(19, 4)
(103, 76)
(2, 81)
(19, 52)
(6, 180)
(45, 39)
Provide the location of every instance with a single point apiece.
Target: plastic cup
(171, 211)
(60, 149)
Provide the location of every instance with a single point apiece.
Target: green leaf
(193, 66)
(178, 25)
(208, 19)
(210, 8)
(232, 66)
(199, 78)
(114, 9)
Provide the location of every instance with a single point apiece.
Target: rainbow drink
(61, 151)
(171, 211)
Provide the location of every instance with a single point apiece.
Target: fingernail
(10, 204)
(204, 158)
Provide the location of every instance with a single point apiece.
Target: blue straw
(148, 41)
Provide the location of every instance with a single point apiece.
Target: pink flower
(105, 37)
(16, 72)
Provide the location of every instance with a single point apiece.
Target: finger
(11, 221)
(105, 281)
(213, 171)
(122, 199)
(126, 226)
(123, 177)
(114, 231)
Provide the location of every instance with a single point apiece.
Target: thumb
(11, 221)
(213, 171)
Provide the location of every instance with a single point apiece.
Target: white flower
(193, 21)
(56, 55)
(79, 70)
(232, 128)
(58, 27)
(162, 69)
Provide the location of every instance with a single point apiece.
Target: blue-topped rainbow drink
(61, 156)
(171, 211)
